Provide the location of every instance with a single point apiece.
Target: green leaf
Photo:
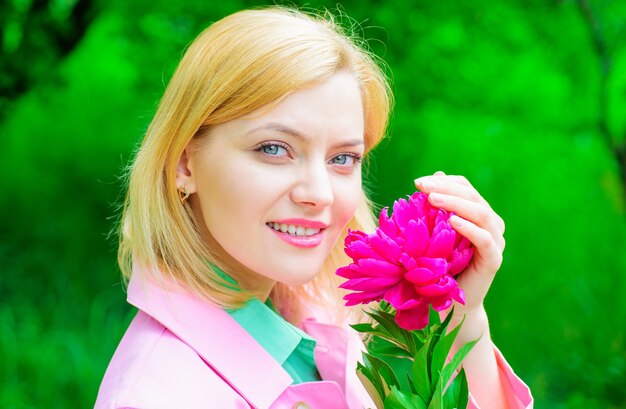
(387, 321)
(433, 317)
(456, 360)
(418, 339)
(391, 350)
(463, 390)
(385, 371)
(419, 372)
(448, 318)
(442, 348)
(390, 339)
(384, 306)
(437, 399)
(402, 400)
(370, 388)
(451, 396)
(365, 327)
(379, 348)
(372, 374)
(411, 384)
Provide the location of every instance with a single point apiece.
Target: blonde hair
(235, 66)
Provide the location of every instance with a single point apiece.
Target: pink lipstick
(300, 241)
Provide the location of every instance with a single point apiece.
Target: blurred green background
(526, 98)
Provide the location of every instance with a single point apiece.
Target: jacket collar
(227, 347)
(215, 336)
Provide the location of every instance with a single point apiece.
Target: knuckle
(463, 180)
(485, 239)
(497, 260)
(483, 214)
(475, 196)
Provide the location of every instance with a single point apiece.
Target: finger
(482, 216)
(457, 178)
(489, 252)
(462, 187)
(429, 184)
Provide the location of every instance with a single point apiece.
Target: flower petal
(369, 284)
(440, 303)
(415, 318)
(408, 262)
(445, 286)
(385, 246)
(386, 224)
(422, 276)
(459, 295)
(354, 235)
(379, 268)
(417, 238)
(349, 271)
(362, 298)
(360, 249)
(402, 296)
(441, 244)
(438, 265)
(460, 260)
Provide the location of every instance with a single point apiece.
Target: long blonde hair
(235, 66)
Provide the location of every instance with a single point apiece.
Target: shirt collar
(276, 336)
(261, 320)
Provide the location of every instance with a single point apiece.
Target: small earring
(183, 193)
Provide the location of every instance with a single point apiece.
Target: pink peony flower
(409, 261)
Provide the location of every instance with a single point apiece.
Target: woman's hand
(477, 221)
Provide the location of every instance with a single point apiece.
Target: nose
(313, 187)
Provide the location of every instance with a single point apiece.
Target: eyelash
(355, 156)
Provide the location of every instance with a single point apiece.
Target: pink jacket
(182, 352)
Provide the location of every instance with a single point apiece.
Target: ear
(184, 170)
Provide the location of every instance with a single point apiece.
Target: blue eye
(272, 149)
(344, 159)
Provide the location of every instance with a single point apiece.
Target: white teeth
(294, 230)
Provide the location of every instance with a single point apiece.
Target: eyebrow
(300, 136)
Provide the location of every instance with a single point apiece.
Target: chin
(300, 280)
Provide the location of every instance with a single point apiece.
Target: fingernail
(429, 185)
(436, 198)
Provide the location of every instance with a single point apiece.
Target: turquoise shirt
(291, 347)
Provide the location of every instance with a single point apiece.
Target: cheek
(228, 195)
(348, 199)
(237, 194)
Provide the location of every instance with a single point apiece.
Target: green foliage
(508, 94)
(415, 375)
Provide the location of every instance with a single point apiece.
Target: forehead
(333, 107)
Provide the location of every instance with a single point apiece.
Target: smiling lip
(302, 222)
(300, 241)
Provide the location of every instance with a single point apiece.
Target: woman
(239, 200)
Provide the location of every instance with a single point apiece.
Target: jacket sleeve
(516, 392)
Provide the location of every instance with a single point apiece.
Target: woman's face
(276, 188)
